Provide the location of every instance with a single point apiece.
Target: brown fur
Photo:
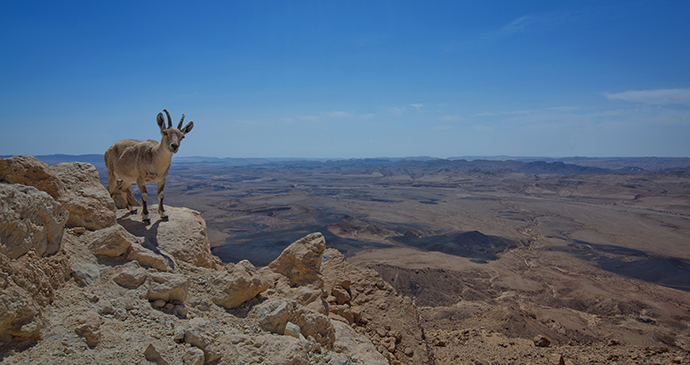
(142, 162)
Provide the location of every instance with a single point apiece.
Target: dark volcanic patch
(263, 247)
(667, 271)
(473, 244)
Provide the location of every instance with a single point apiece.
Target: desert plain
(589, 255)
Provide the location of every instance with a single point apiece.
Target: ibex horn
(169, 120)
(179, 126)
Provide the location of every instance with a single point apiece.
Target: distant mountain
(493, 164)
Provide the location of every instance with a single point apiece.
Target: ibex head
(172, 136)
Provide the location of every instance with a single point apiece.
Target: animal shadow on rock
(148, 232)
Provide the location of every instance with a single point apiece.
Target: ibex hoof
(133, 211)
(165, 218)
(146, 220)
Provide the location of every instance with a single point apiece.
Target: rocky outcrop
(359, 297)
(301, 261)
(28, 170)
(111, 242)
(87, 201)
(74, 185)
(29, 220)
(241, 283)
(183, 236)
(274, 315)
(27, 286)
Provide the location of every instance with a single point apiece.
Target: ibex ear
(187, 128)
(160, 121)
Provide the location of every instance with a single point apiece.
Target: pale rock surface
(167, 287)
(87, 201)
(274, 314)
(201, 335)
(193, 356)
(85, 273)
(160, 261)
(357, 346)
(29, 220)
(301, 261)
(111, 242)
(27, 285)
(28, 170)
(152, 354)
(89, 327)
(241, 283)
(131, 276)
(183, 236)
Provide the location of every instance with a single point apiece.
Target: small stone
(193, 356)
(181, 311)
(152, 355)
(557, 359)
(159, 303)
(409, 352)
(292, 330)
(178, 334)
(541, 341)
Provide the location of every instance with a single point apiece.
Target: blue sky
(349, 79)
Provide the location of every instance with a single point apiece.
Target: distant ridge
(532, 165)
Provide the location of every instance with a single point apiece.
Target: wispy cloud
(656, 97)
(450, 118)
(396, 112)
(417, 106)
(338, 114)
(516, 26)
(309, 118)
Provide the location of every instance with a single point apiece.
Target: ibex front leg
(161, 209)
(144, 199)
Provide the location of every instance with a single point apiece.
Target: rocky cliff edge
(82, 282)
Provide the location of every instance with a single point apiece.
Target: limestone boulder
(241, 283)
(201, 335)
(85, 274)
(111, 242)
(147, 257)
(87, 201)
(357, 346)
(183, 236)
(29, 220)
(274, 314)
(167, 287)
(89, 327)
(131, 276)
(301, 261)
(28, 170)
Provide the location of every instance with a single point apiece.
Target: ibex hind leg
(144, 200)
(161, 209)
(124, 188)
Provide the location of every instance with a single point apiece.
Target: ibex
(144, 162)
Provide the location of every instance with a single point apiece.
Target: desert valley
(501, 262)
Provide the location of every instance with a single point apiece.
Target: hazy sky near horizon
(344, 79)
